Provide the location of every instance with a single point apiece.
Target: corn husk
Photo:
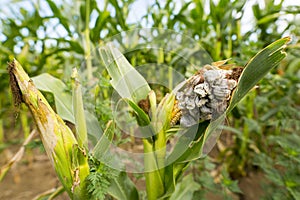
(61, 146)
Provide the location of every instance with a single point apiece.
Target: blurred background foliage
(261, 135)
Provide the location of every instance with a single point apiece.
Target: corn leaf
(104, 142)
(64, 106)
(185, 189)
(56, 12)
(123, 188)
(93, 127)
(78, 109)
(142, 117)
(257, 68)
(63, 100)
(182, 147)
(127, 81)
(103, 151)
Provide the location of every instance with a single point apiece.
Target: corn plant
(195, 109)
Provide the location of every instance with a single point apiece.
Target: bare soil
(34, 175)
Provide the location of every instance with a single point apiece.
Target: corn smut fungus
(206, 94)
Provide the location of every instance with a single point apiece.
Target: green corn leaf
(63, 100)
(78, 109)
(63, 104)
(123, 188)
(120, 15)
(93, 127)
(185, 189)
(169, 180)
(99, 25)
(269, 18)
(142, 117)
(75, 46)
(257, 68)
(125, 79)
(103, 144)
(172, 173)
(56, 12)
(102, 150)
(182, 147)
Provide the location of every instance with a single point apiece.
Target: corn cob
(61, 146)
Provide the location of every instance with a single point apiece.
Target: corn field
(107, 99)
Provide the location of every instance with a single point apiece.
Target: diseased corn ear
(206, 94)
(56, 136)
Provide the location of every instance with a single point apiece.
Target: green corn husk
(68, 159)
